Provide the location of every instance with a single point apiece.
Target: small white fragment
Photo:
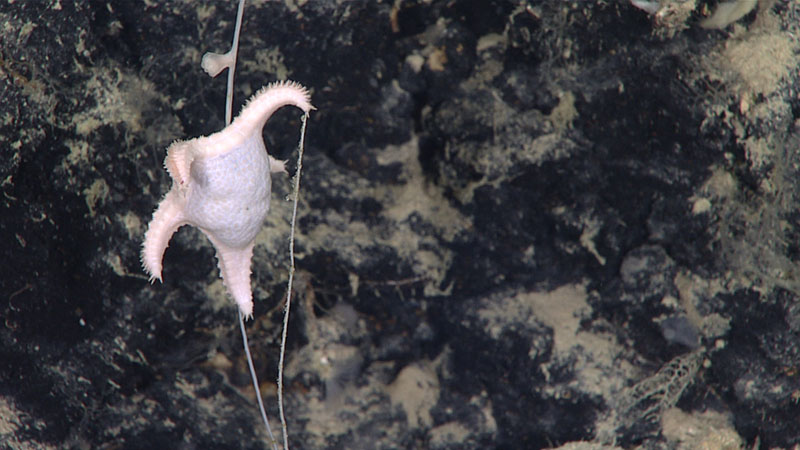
(727, 13)
(701, 205)
(651, 7)
(415, 62)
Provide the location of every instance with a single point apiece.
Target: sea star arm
(221, 184)
(166, 220)
(178, 162)
(266, 101)
(234, 266)
(276, 165)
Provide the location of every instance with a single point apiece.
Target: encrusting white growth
(214, 63)
(221, 184)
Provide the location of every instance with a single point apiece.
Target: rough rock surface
(523, 225)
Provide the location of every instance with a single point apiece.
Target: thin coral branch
(255, 382)
(296, 195)
(232, 69)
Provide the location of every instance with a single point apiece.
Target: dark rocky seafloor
(522, 225)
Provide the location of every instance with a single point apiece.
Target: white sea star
(221, 184)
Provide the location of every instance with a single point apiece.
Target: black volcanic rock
(522, 225)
